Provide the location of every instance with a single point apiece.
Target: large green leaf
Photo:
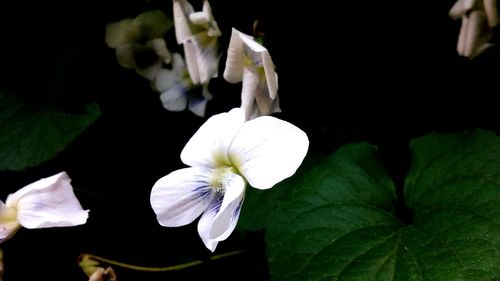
(341, 224)
(259, 204)
(29, 137)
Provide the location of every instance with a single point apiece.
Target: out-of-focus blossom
(139, 42)
(479, 17)
(175, 88)
(49, 202)
(224, 154)
(198, 33)
(250, 62)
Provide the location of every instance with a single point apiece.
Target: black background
(384, 72)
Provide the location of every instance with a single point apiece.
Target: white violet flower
(175, 86)
(250, 62)
(139, 42)
(225, 154)
(49, 202)
(479, 17)
(198, 33)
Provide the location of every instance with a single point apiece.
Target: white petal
(198, 106)
(220, 218)
(202, 58)
(161, 50)
(181, 196)
(457, 10)
(271, 76)
(182, 9)
(174, 99)
(125, 56)
(178, 64)
(267, 150)
(206, 221)
(168, 78)
(462, 37)
(207, 49)
(233, 73)
(213, 28)
(8, 222)
(192, 61)
(209, 145)
(250, 86)
(49, 202)
(199, 18)
(165, 80)
(117, 33)
(227, 217)
(478, 34)
(492, 12)
(150, 72)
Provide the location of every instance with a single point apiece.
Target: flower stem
(160, 269)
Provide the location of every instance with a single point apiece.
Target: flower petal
(209, 145)
(251, 84)
(150, 72)
(202, 58)
(117, 33)
(174, 99)
(207, 56)
(478, 34)
(227, 217)
(233, 72)
(458, 10)
(166, 80)
(150, 25)
(206, 221)
(220, 218)
(8, 222)
(198, 106)
(268, 150)
(125, 56)
(182, 9)
(271, 76)
(49, 202)
(492, 12)
(161, 50)
(192, 61)
(181, 196)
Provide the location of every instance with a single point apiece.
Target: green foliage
(30, 136)
(339, 223)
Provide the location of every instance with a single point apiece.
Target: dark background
(384, 72)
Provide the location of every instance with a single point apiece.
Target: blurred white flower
(198, 33)
(479, 17)
(49, 202)
(175, 86)
(139, 42)
(224, 154)
(250, 62)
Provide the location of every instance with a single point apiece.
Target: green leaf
(341, 223)
(259, 204)
(29, 137)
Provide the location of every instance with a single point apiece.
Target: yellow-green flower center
(221, 178)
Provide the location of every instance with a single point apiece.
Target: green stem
(160, 269)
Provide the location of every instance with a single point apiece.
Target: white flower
(49, 202)
(198, 33)
(250, 62)
(175, 85)
(479, 17)
(139, 42)
(224, 154)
